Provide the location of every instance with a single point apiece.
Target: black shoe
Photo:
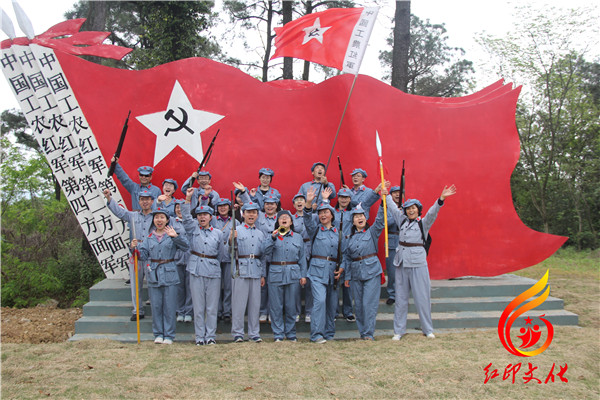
(350, 318)
(133, 318)
(389, 302)
(128, 282)
(227, 318)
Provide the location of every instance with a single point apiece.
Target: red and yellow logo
(530, 334)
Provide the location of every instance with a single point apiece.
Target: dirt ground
(42, 324)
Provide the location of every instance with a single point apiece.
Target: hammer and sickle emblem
(182, 122)
(314, 32)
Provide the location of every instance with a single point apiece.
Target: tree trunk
(306, 71)
(288, 62)
(401, 46)
(95, 21)
(265, 68)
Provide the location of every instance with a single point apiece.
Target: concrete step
(451, 304)
(457, 320)
(506, 285)
(456, 304)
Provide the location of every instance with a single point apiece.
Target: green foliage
(555, 184)
(25, 172)
(42, 255)
(434, 68)
(158, 31)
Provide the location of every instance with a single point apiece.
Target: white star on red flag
(179, 125)
(315, 32)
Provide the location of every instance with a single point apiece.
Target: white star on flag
(179, 125)
(315, 32)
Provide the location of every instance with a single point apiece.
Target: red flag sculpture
(336, 37)
(76, 109)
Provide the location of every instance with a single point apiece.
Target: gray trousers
(391, 274)
(164, 300)
(225, 302)
(417, 281)
(245, 293)
(366, 301)
(205, 299)
(141, 264)
(184, 295)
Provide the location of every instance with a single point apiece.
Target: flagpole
(341, 120)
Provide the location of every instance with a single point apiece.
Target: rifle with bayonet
(233, 243)
(206, 157)
(113, 164)
(402, 195)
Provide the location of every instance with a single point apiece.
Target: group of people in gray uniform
(206, 258)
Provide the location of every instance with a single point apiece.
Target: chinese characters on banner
(60, 128)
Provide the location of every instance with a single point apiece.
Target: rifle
(233, 244)
(206, 157)
(339, 250)
(402, 183)
(113, 164)
(136, 254)
(341, 172)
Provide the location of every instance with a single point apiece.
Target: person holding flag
(318, 183)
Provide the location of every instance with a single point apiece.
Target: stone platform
(457, 304)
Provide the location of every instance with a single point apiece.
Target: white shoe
(187, 318)
(396, 337)
(262, 318)
(430, 335)
(158, 340)
(320, 341)
(297, 318)
(307, 319)
(180, 318)
(167, 341)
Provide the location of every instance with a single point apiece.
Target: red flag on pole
(336, 37)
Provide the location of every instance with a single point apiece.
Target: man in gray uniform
(319, 183)
(145, 175)
(209, 196)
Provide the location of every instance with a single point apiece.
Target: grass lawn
(451, 366)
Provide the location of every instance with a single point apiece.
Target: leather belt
(284, 262)
(363, 257)
(411, 244)
(393, 233)
(307, 240)
(162, 261)
(334, 259)
(203, 255)
(252, 256)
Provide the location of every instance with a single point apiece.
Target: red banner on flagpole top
(336, 37)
